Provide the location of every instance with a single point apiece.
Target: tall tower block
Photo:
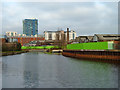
(30, 27)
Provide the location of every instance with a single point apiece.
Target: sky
(85, 18)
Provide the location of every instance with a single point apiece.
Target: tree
(18, 46)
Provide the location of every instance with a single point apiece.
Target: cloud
(83, 17)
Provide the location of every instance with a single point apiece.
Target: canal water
(39, 70)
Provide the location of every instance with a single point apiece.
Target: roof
(11, 31)
(57, 31)
(69, 31)
(83, 38)
(90, 38)
(108, 36)
(31, 19)
(86, 37)
(50, 31)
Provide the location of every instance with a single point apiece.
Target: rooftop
(108, 36)
(57, 31)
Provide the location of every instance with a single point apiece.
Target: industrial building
(53, 35)
(106, 37)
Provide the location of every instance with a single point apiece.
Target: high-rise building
(30, 27)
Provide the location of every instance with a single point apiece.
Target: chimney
(67, 34)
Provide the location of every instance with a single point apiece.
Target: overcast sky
(86, 18)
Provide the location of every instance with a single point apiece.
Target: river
(39, 70)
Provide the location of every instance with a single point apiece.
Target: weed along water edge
(40, 70)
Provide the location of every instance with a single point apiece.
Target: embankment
(93, 55)
(12, 53)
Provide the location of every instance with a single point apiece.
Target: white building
(19, 34)
(11, 33)
(24, 35)
(72, 34)
(51, 35)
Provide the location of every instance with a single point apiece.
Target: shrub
(11, 46)
(18, 48)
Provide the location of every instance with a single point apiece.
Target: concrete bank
(93, 55)
(45, 50)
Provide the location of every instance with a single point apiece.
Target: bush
(11, 46)
(18, 48)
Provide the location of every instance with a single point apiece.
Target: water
(39, 70)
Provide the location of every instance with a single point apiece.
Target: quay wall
(102, 55)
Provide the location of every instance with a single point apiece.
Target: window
(8, 34)
(11, 34)
(50, 36)
(73, 36)
(95, 38)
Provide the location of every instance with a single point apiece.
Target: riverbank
(93, 55)
(7, 53)
(47, 51)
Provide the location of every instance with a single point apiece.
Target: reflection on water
(38, 70)
(31, 72)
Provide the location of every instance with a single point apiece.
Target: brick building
(24, 40)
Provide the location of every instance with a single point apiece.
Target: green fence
(91, 46)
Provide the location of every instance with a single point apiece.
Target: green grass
(38, 47)
(91, 46)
